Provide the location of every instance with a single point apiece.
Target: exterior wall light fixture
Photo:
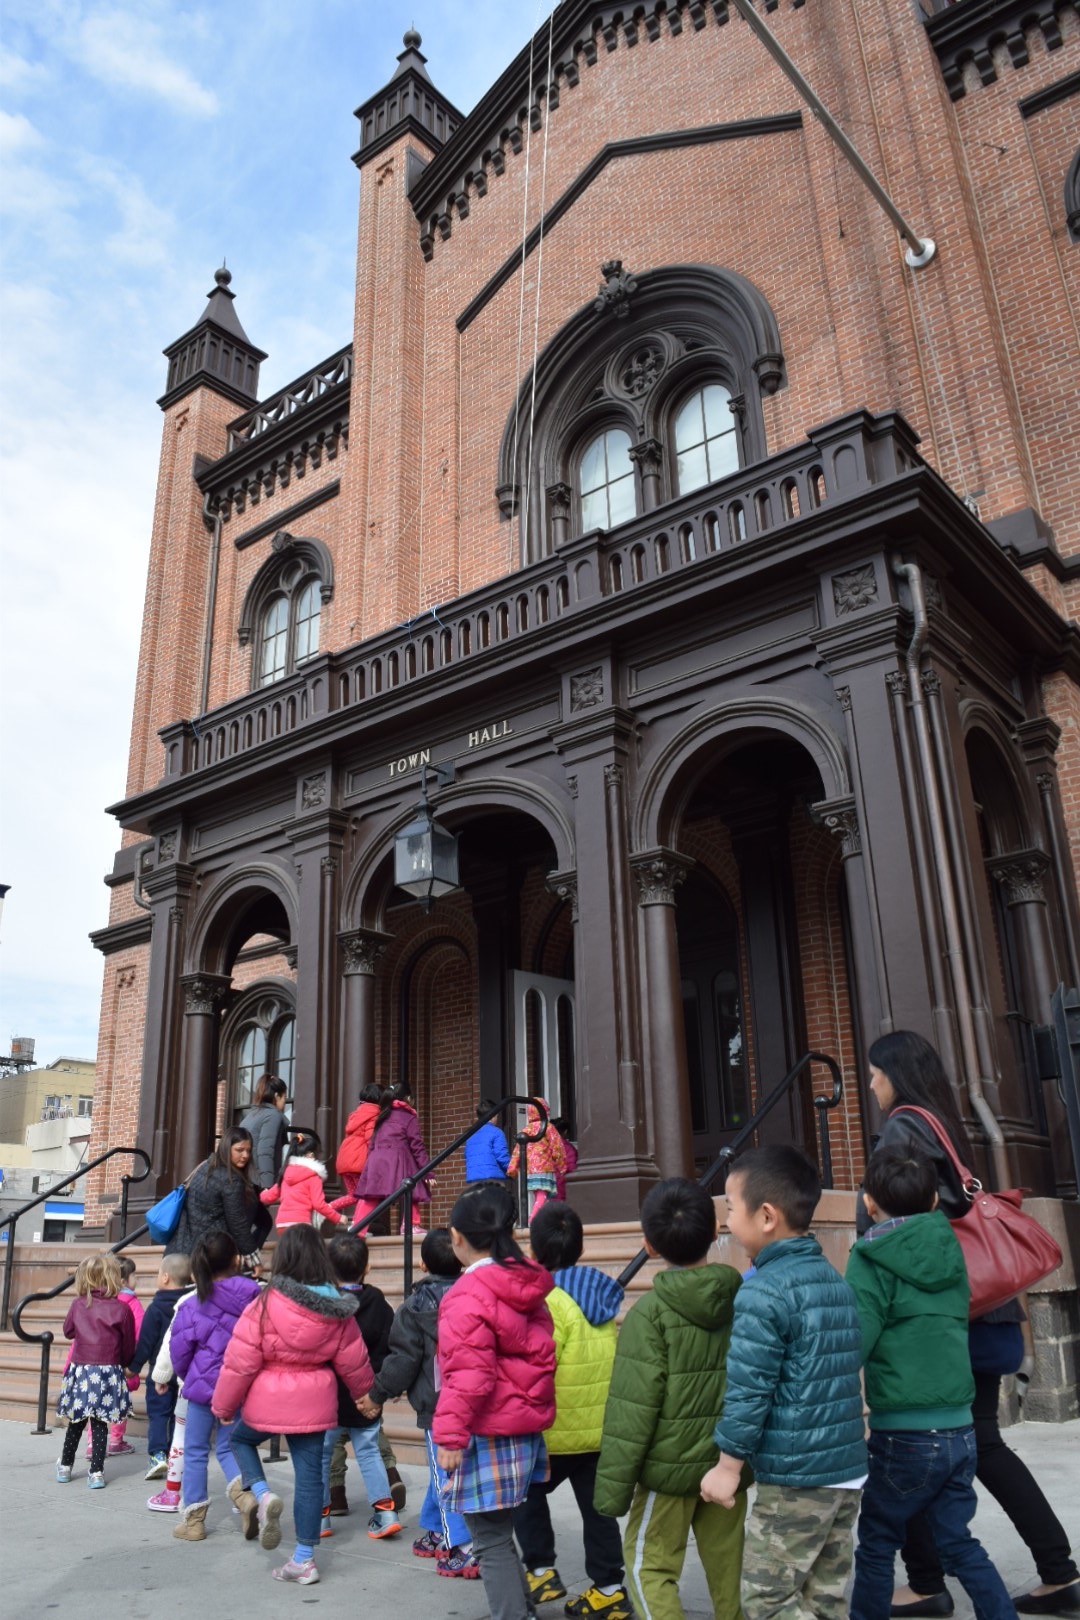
(425, 853)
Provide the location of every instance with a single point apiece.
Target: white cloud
(17, 133)
(125, 50)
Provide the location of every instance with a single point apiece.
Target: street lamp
(425, 853)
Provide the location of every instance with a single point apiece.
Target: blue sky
(141, 141)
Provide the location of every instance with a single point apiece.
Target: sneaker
(159, 1466)
(430, 1545)
(327, 1527)
(96, 1482)
(165, 1501)
(546, 1587)
(460, 1561)
(384, 1522)
(613, 1606)
(397, 1488)
(304, 1574)
(63, 1473)
(121, 1449)
(270, 1510)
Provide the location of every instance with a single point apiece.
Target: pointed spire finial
(223, 276)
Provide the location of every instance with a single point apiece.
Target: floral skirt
(94, 1392)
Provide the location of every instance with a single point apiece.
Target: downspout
(911, 573)
(214, 525)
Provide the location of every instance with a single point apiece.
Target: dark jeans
(931, 1472)
(305, 1452)
(1010, 1482)
(160, 1415)
(601, 1535)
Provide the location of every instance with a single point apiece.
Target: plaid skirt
(94, 1392)
(496, 1472)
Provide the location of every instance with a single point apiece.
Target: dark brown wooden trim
(1050, 96)
(122, 936)
(667, 140)
(271, 526)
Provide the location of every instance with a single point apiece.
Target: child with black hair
(199, 1339)
(583, 1304)
(793, 1405)
(348, 1256)
(487, 1152)
(352, 1155)
(173, 1282)
(299, 1189)
(497, 1364)
(911, 1284)
(666, 1388)
(410, 1369)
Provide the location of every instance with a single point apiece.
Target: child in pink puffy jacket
(280, 1372)
(496, 1363)
(300, 1189)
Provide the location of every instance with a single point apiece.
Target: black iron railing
(405, 1191)
(720, 1165)
(84, 1170)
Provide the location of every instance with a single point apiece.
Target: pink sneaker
(121, 1449)
(304, 1574)
(165, 1501)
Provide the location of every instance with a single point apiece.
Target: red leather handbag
(1004, 1249)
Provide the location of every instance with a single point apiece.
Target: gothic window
(260, 1038)
(647, 395)
(282, 611)
(706, 439)
(1072, 198)
(606, 481)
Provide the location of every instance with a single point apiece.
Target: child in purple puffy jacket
(200, 1337)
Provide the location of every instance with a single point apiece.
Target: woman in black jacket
(265, 1119)
(222, 1197)
(906, 1071)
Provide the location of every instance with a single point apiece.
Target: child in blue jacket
(487, 1152)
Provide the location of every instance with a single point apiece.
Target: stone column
(317, 838)
(559, 498)
(648, 456)
(840, 817)
(1021, 877)
(169, 888)
(360, 950)
(203, 996)
(659, 873)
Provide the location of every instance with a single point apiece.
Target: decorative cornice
(283, 520)
(971, 30)
(1063, 90)
(1020, 875)
(204, 992)
(361, 949)
(122, 936)
(635, 146)
(659, 872)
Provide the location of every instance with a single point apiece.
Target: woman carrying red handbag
(906, 1076)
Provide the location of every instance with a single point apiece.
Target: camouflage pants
(798, 1553)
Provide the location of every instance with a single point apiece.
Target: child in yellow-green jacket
(583, 1304)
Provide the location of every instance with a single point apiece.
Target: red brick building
(730, 562)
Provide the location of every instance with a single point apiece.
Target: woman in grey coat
(265, 1119)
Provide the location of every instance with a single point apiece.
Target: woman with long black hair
(906, 1072)
(222, 1196)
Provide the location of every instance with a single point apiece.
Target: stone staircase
(42, 1265)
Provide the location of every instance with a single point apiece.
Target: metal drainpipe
(912, 574)
(211, 602)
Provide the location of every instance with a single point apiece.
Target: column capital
(1020, 875)
(564, 886)
(648, 455)
(840, 817)
(204, 992)
(361, 949)
(659, 872)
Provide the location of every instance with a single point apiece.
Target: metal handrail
(405, 1191)
(824, 1105)
(46, 1336)
(11, 1220)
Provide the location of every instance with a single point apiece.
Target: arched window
(606, 481)
(259, 1038)
(651, 392)
(282, 611)
(706, 439)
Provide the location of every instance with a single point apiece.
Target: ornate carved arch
(979, 720)
(213, 923)
(667, 784)
(669, 327)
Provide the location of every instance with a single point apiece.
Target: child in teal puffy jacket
(793, 1405)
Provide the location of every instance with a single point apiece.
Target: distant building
(59, 1091)
(733, 566)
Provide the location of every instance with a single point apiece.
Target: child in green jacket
(583, 1304)
(911, 1285)
(666, 1390)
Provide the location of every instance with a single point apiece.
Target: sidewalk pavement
(103, 1553)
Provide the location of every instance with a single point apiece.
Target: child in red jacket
(496, 1362)
(299, 1190)
(356, 1143)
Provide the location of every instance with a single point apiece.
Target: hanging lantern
(425, 853)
